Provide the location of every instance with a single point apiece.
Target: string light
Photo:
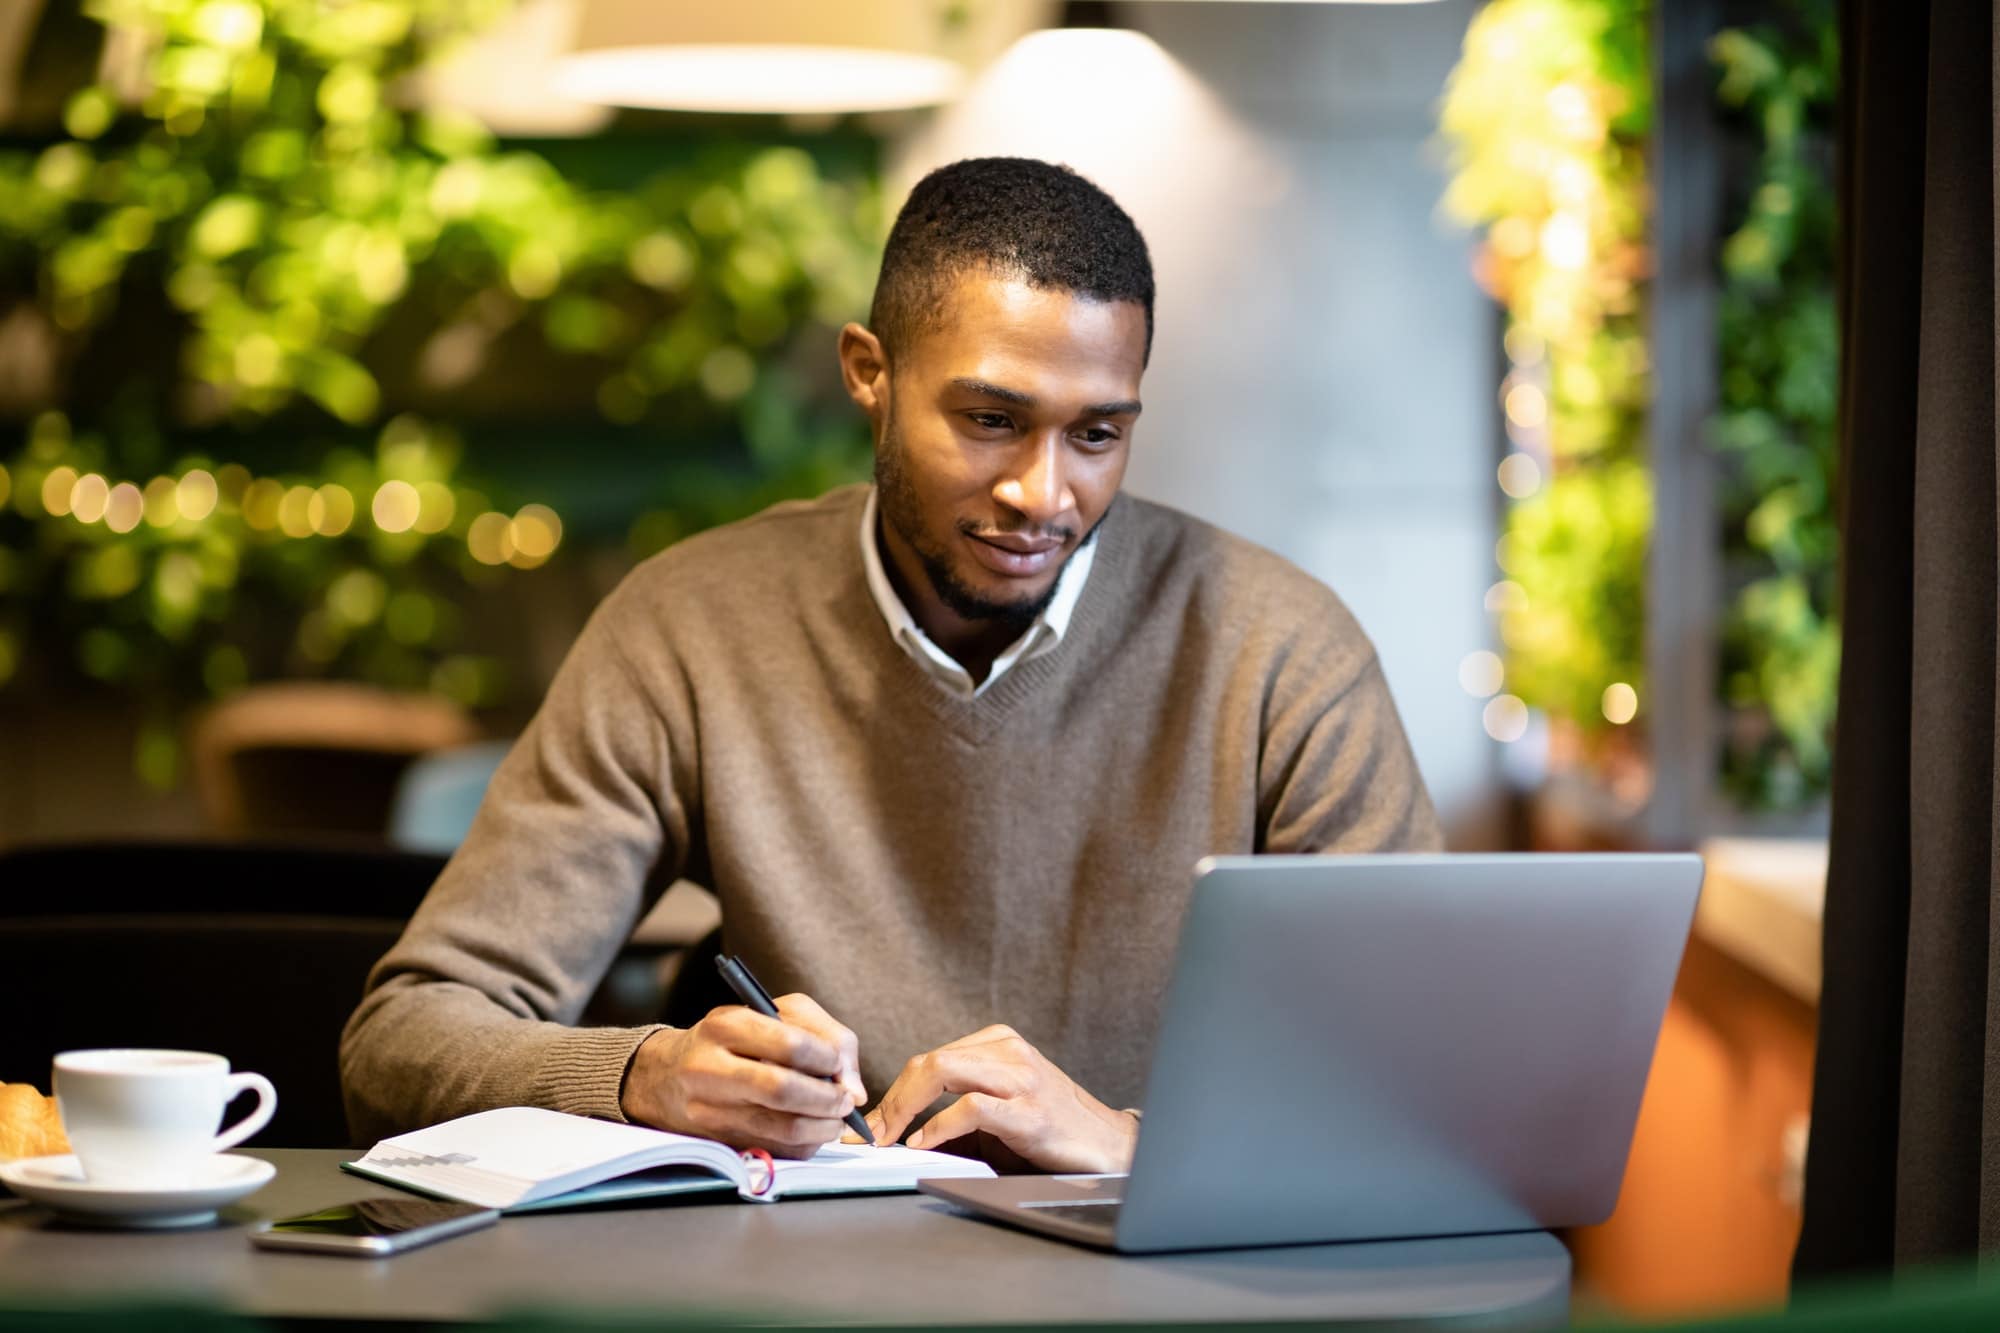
(1526, 406)
(55, 490)
(437, 506)
(527, 540)
(1505, 596)
(534, 533)
(490, 538)
(260, 503)
(295, 511)
(88, 498)
(196, 494)
(1481, 674)
(1520, 475)
(331, 510)
(1506, 718)
(396, 506)
(162, 502)
(124, 507)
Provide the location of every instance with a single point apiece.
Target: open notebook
(522, 1159)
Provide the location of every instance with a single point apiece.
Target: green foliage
(272, 274)
(1780, 356)
(1545, 119)
(1580, 544)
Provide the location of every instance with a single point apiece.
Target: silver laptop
(1370, 1047)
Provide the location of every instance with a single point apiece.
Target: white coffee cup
(147, 1118)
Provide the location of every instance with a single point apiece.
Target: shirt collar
(1055, 617)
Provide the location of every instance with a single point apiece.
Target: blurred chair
(439, 793)
(315, 756)
(258, 952)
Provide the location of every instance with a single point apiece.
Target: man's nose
(1036, 486)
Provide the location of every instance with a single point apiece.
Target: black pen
(751, 991)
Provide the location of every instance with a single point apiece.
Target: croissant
(29, 1124)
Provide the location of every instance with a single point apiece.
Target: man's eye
(990, 420)
(1098, 436)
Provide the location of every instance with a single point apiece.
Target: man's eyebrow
(1121, 408)
(985, 389)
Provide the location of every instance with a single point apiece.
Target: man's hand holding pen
(781, 1084)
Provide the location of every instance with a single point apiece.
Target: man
(946, 749)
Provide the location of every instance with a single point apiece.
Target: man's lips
(1014, 555)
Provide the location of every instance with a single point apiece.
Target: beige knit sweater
(737, 713)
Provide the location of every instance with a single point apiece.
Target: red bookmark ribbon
(770, 1170)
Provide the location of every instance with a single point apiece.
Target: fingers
(755, 1037)
(716, 1074)
(781, 1135)
(991, 1067)
(804, 1012)
(1005, 1118)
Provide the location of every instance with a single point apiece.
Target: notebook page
(531, 1150)
(840, 1168)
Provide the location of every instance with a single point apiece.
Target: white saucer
(58, 1183)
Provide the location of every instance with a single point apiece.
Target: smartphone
(373, 1227)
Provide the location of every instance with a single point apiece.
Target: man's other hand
(748, 1080)
(1011, 1091)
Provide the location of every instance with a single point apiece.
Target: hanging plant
(1780, 357)
(1545, 121)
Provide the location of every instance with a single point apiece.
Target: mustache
(971, 529)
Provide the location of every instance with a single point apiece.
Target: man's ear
(864, 369)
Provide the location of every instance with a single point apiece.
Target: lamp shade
(784, 55)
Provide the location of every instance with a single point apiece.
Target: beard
(896, 497)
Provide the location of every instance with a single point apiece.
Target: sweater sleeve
(585, 822)
(1336, 773)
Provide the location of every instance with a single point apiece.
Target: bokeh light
(88, 498)
(1506, 718)
(396, 506)
(1505, 596)
(490, 538)
(1481, 674)
(124, 507)
(437, 506)
(197, 493)
(1520, 475)
(295, 511)
(1621, 703)
(56, 488)
(261, 499)
(534, 535)
(331, 510)
(163, 508)
(1527, 406)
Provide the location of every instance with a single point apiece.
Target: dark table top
(879, 1259)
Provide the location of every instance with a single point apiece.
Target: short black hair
(1015, 216)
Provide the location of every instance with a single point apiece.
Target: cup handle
(267, 1102)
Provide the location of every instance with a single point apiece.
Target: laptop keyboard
(1096, 1212)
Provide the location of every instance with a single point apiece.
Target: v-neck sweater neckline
(979, 718)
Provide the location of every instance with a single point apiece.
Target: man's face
(1003, 438)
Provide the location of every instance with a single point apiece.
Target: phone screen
(374, 1217)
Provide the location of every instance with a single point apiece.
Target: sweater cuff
(583, 1071)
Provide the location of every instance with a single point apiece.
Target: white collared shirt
(1039, 638)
